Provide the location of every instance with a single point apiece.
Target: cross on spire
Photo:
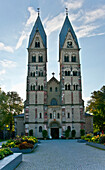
(66, 11)
(38, 10)
(53, 74)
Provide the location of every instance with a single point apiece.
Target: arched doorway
(54, 130)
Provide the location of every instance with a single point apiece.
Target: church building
(53, 105)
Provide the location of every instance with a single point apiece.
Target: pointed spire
(38, 27)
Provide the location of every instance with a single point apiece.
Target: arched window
(40, 115)
(66, 87)
(50, 115)
(66, 58)
(56, 89)
(40, 128)
(76, 87)
(37, 44)
(65, 73)
(69, 128)
(41, 73)
(40, 58)
(58, 116)
(68, 115)
(73, 58)
(34, 74)
(42, 88)
(74, 73)
(68, 73)
(33, 87)
(33, 59)
(31, 74)
(54, 102)
(69, 87)
(39, 87)
(50, 89)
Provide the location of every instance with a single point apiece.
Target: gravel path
(63, 155)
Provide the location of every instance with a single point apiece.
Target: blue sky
(16, 22)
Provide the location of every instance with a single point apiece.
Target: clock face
(69, 44)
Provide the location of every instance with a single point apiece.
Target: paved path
(63, 155)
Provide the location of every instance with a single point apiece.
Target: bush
(67, 132)
(31, 132)
(44, 133)
(5, 152)
(82, 132)
(25, 145)
(73, 133)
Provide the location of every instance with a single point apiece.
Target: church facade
(54, 105)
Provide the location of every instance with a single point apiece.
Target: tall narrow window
(50, 115)
(39, 87)
(58, 116)
(73, 59)
(40, 128)
(42, 88)
(40, 115)
(68, 115)
(69, 87)
(66, 87)
(56, 89)
(40, 58)
(33, 59)
(50, 89)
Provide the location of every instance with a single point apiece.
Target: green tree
(96, 105)
(10, 105)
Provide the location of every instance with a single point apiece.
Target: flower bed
(96, 141)
(20, 144)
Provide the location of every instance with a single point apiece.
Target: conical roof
(67, 26)
(38, 26)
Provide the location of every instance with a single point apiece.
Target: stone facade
(53, 105)
(88, 123)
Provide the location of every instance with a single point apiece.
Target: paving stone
(63, 155)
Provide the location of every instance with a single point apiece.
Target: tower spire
(38, 10)
(66, 11)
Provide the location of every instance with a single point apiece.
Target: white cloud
(73, 4)
(2, 72)
(93, 15)
(8, 63)
(85, 30)
(3, 47)
(23, 36)
(25, 33)
(33, 16)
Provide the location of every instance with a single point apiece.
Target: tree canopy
(10, 105)
(96, 105)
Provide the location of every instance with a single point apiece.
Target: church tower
(36, 93)
(70, 79)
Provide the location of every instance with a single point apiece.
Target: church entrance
(55, 133)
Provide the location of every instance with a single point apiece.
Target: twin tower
(54, 105)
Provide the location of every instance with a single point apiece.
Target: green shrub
(67, 132)
(82, 132)
(73, 133)
(5, 152)
(31, 132)
(44, 133)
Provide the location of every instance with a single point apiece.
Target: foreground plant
(5, 152)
